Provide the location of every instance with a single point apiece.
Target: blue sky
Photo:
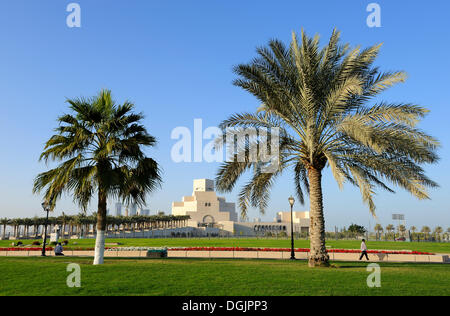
(174, 59)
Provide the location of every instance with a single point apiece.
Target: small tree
(357, 230)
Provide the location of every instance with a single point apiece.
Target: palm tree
(63, 219)
(390, 228)
(4, 222)
(79, 221)
(16, 222)
(437, 232)
(413, 229)
(27, 222)
(100, 147)
(318, 99)
(378, 228)
(402, 229)
(426, 230)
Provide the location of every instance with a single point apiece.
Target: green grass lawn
(206, 277)
(253, 242)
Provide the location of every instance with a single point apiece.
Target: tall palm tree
(16, 222)
(379, 229)
(413, 229)
(390, 228)
(100, 147)
(401, 229)
(425, 230)
(79, 221)
(319, 99)
(63, 219)
(4, 222)
(437, 232)
(27, 222)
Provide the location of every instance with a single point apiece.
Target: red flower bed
(297, 250)
(48, 249)
(25, 249)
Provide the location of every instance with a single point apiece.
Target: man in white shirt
(363, 250)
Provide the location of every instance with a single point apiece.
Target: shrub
(65, 242)
(36, 243)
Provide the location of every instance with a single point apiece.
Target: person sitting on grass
(363, 250)
(59, 250)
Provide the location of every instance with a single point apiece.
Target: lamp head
(46, 205)
(291, 200)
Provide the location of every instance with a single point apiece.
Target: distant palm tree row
(425, 233)
(76, 225)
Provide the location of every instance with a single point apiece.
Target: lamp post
(46, 206)
(291, 202)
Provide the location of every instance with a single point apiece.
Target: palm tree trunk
(318, 255)
(101, 226)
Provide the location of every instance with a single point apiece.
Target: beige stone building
(212, 214)
(300, 218)
(282, 224)
(205, 208)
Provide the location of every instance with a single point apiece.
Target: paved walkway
(438, 258)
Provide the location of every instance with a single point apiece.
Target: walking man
(364, 250)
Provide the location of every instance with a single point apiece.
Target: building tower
(118, 209)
